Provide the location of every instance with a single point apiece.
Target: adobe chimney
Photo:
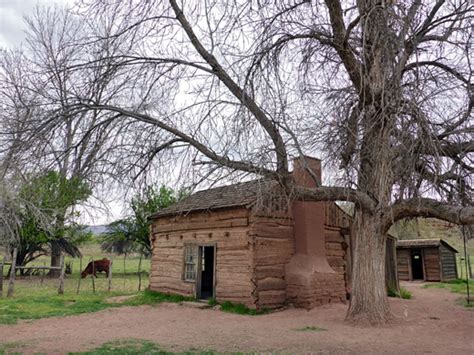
(308, 273)
(306, 170)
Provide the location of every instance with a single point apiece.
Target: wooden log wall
(336, 249)
(227, 229)
(431, 263)
(448, 263)
(253, 249)
(403, 264)
(273, 246)
(336, 217)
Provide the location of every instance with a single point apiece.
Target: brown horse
(97, 266)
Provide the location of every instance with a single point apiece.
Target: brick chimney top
(302, 176)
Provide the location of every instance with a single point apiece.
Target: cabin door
(417, 264)
(206, 272)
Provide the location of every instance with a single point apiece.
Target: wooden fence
(14, 268)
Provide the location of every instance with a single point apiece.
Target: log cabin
(247, 243)
(426, 260)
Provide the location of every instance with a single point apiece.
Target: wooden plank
(39, 267)
(277, 232)
(270, 221)
(235, 222)
(201, 216)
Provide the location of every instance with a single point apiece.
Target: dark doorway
(207, 272)
(417, 264)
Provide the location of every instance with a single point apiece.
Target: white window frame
(190, 262)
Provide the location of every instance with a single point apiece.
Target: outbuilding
(426, 260)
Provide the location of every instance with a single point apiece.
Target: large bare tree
(382, 88)
(36, 91)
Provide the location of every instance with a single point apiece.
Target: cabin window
(190, 262)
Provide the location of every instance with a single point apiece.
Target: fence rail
(14, 267)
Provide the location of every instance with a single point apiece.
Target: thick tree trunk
(369, 302)
(55, 258)
(55, 245)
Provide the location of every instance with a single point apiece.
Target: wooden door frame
(410, 258)
(199, 269)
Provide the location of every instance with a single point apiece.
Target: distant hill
(97, 230)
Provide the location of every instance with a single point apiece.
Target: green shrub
(212, 302)
(391, 292)
(240, 308)
(404, 293)
(153, 297)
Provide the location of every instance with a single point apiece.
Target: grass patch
(404, 293)
(44, 304)
(240, 308)
(12, 348)
(463, 302)
(212, 302)
(122, 347)
(49, 305)
(139, 347)
(455, 286)
(153, 297)
(311, 329)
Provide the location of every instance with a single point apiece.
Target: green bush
(404, 293)
(239, 308)
(212, 302)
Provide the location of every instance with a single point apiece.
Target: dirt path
(429, 323)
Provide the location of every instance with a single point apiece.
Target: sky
(11, 19)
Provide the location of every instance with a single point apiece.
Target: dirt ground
(430, 323)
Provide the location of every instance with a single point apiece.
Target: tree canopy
(132, 234)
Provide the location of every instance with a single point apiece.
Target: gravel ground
(431, 323)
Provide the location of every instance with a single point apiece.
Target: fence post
(11, 283)
(140, 273)
(93, 277)
(43, 272)
(1, 278)
(470, 265)
(110, 275)
(124, 271)
(80, 276)
(61, 276)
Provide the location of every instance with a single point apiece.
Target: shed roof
(241, 194)
(423, 243)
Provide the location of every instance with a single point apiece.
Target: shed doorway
(207, 272)
(417, 265)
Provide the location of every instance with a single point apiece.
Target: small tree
(55, 196)
(132, 233)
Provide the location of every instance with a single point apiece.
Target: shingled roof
(423, 243)
(241, 194)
